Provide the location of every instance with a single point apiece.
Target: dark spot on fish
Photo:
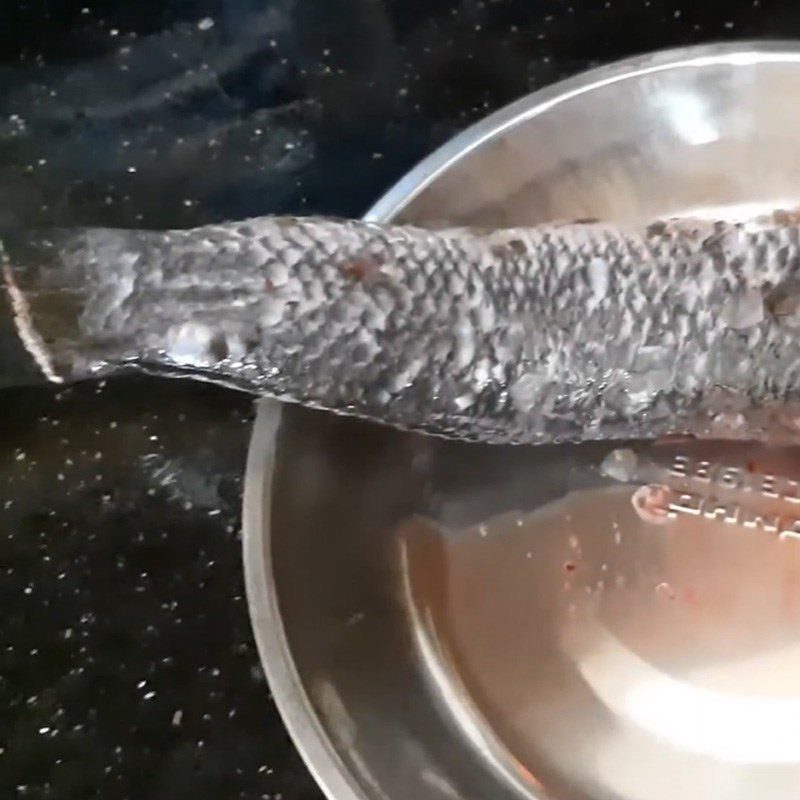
(359, 269)
(498, 250)
(506, 249)
(218, 347)
(780, 217)
(587, 221)
(783, 299)
(786, 217)
(736, 265)
(718, 259)
(570, 566)
(656, 228)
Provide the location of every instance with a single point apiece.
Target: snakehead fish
(527, 335)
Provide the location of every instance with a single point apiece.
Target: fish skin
(527, 335)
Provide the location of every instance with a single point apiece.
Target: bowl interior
(449, 620)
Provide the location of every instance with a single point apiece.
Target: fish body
(526, 335)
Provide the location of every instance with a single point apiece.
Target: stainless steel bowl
(445, 620)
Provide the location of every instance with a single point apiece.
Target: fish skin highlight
(521, 336)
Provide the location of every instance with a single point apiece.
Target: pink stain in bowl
(690, 596)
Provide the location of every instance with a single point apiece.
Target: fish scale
(558, 332)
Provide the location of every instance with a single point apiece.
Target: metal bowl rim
(294, 706)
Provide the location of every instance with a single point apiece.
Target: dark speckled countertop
(127, 665)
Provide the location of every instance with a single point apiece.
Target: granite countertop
(127, 664)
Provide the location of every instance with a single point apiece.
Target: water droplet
(743, 310)
(651, 503)
(788, 415)
(464, 401)
(189, 344)
(641, 387)
(620, 465)
(526, 392)
(665, 591)
(724, 398)
(598, 275)
(727, 423)
(650, 357)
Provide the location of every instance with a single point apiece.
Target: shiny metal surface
(445, 620)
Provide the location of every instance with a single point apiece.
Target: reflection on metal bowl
(449, 620)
